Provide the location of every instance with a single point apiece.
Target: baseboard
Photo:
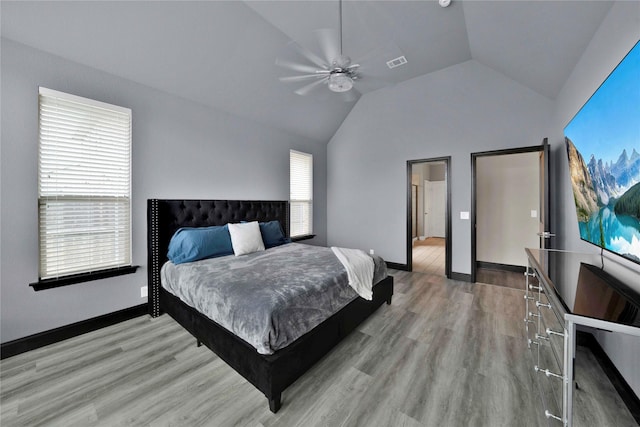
(396, 266)
(461, 277)
(41, 339)
(502, 267)
(625, 391)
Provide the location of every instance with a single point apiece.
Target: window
(301, 193)
(84, 186)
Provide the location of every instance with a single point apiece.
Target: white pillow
(246, 238)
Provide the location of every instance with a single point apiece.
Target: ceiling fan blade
(329, 44)
(312, 57)
(302, 68)
(302, 78)
(308, 88)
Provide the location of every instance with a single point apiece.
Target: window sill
(82, 277)
(304, 237)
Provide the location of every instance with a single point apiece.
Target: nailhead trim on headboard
(154, 267)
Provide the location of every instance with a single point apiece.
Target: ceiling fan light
(340, 82)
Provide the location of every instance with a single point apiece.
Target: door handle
(546, 234)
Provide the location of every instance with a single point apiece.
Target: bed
(269, 373)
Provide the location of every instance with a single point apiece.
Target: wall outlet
(534, 213)
(464, 215)
(143, 292)
(371, 251)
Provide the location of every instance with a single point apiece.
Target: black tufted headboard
(165, 217)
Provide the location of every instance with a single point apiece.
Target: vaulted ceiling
(222, 53)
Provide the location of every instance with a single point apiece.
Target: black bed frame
(270, 374)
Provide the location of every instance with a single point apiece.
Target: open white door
(434, 208)
(427, 209)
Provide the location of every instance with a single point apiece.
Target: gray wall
(616, 36)
(180, 150)
(507, 190)
(454, 112)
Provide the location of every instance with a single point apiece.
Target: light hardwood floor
(444, 353)
(429, 256)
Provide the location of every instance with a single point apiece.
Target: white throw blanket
(360, 269)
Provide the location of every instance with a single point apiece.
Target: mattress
(269, 298)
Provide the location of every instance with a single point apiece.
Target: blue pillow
(192, 244)
(272, 234)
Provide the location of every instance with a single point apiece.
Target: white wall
(507, 190)
(437, 172)
(180, 150)
(616, 36)
(419, 173)
(417, 179)
(434, 172)
(454, 112)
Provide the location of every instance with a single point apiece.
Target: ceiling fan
(333, 69)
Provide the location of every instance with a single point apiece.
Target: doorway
(509, 212)
(429, 216)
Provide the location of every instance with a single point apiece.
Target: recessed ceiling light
(444, 3)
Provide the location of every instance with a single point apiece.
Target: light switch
(534, 213)
(464, 215)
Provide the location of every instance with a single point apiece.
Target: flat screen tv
(603, 144)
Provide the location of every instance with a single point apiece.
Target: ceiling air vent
(401, 60)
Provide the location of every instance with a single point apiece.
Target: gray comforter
(269, 298)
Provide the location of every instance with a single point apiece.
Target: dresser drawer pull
(550, 415)
(528, 321)
(530, 341)
(542, 337)
(541, 304)
(547, 372)
(533, 315)
(552, 332)
(535, 288)
(529, 298)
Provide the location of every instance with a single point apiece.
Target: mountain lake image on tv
(603, 144)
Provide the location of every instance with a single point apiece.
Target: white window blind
(84, 185)
(301, 193)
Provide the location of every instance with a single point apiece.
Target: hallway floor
(429, 256)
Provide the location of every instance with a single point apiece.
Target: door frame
(543, 148)
(414, 209)
(447, 228)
